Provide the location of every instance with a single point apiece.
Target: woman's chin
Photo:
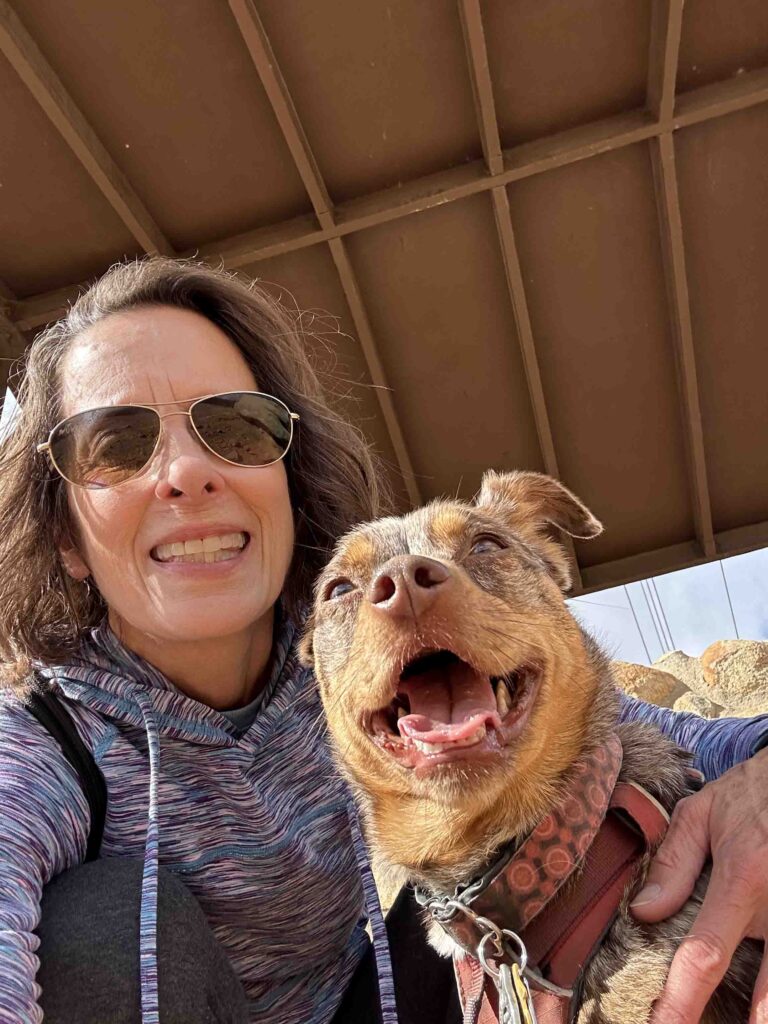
(194, 620)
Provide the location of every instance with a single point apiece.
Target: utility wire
(634, 616)
(730, 603)
(652, 610)
(663, 615)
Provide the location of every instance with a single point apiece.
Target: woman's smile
(201, 548)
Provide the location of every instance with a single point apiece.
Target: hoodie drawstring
(376, 917)
(150, 1011)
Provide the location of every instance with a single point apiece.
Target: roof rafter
(375, 369)
(673, 249)
(11, 338)
(665, 45)
(666, 28)
(677, 556)
(46, 87)
(488, 127)
(482, 86)
(452, 184)
(256, 39)
(260, 49)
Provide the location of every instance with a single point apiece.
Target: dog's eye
(486, 545)
(338, 588)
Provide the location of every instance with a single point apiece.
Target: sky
(685, 610)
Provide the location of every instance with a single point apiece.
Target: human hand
(727, 819)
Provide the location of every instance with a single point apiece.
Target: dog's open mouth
(444, 710)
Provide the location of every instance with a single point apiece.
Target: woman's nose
(186, 468)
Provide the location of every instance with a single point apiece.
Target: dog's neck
(454, 842)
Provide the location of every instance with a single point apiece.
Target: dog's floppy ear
(532, 503)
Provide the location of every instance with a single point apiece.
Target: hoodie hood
(114, 681)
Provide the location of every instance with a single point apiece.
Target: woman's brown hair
(333, 477)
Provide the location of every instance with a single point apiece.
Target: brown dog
(460, 693)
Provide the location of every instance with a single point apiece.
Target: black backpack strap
(50, 713)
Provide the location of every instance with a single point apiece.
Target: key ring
(501, 937)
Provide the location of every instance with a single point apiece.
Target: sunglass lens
(104, 447)
(244, 428)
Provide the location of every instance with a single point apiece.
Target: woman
(243, 806)
(157, 546)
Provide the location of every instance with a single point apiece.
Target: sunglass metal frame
(45, 446)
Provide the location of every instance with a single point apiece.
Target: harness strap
(564, 936)
(50, 713)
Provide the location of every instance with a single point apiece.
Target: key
(509, 1005)
(523, 994)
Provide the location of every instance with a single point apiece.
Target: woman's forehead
(158, 354)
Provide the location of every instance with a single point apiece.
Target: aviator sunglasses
(107, 446)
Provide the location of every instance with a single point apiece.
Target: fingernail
(646, 895)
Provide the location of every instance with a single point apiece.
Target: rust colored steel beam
(676, 556)
(41, 80)
(668, 204)
(477, 58)
(461, 182)
(666, 28)
(524, 331)
(488, 128)
(29, 314)
(260, 49)
(378, 378)
(519, 302)
(482, 86)
(721, 98)
(266, 65)
(640, 567)
(11, 338)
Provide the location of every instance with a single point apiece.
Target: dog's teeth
(401, 712)
(502, 698)
(438, 748)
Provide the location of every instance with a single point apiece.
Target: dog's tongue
(448, 704)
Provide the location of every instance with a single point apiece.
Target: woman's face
(162, 354)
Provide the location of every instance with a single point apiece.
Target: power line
(652, 611)
(663, 615)
(634, 616)
(730, 603)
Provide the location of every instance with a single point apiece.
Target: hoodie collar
(115, 681)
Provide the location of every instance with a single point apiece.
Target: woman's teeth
(206, 549)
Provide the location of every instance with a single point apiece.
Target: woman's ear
(73, 563)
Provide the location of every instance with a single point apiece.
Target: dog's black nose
(407, 585)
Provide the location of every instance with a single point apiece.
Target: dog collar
(595, 836)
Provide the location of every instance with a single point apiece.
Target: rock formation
(729, 678)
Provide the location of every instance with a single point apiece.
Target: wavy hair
(334, 478)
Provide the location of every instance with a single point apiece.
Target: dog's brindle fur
(502, 607)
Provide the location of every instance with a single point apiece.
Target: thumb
(677, 863)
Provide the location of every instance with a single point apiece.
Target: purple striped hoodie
(256, 825)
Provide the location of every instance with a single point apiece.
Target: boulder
(735, 675)
(699, 705)
(685, 668)
(649, 684)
